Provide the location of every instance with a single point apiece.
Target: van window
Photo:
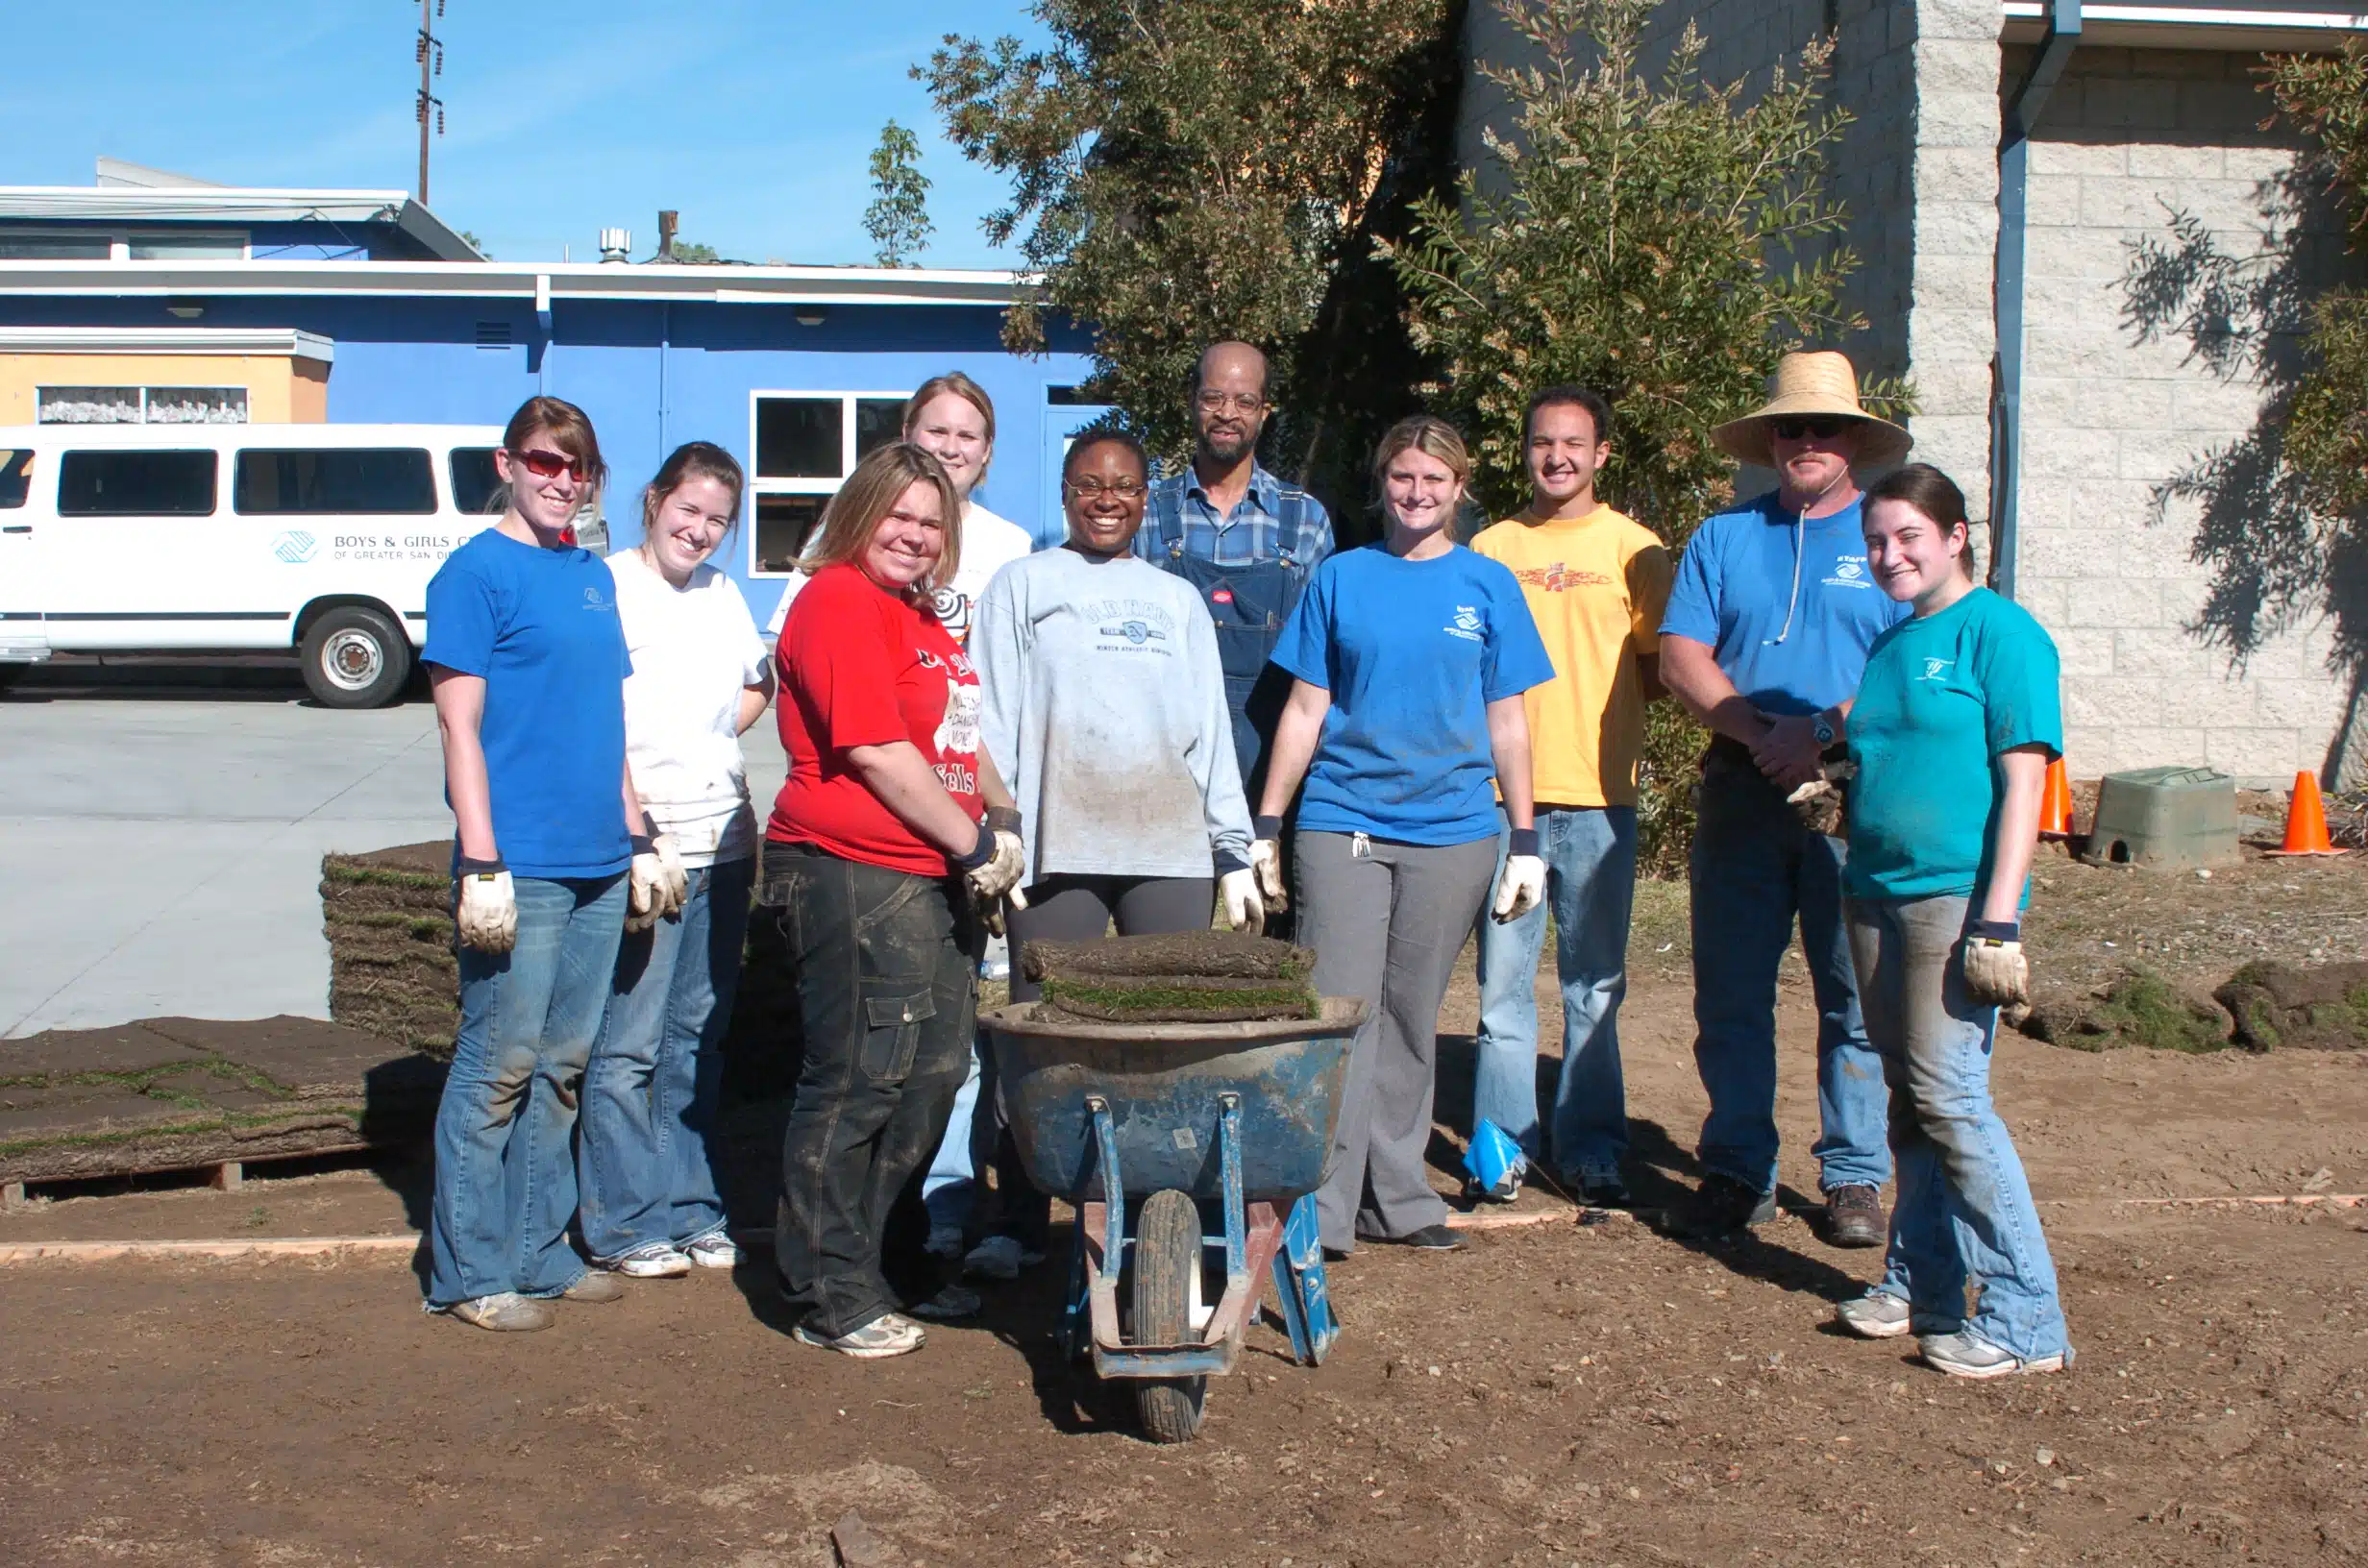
(327, 480)
(474, 480)
(15, 476)
(137, 484)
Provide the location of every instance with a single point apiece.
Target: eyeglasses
(550, 465)
(1823, 428)
(1094, 489)
(1217, 402)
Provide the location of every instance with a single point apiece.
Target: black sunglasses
(1824, 427)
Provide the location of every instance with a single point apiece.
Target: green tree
(1656, 236)
(690, 252)
(476, 244)
(898, 220)
(1194, 170)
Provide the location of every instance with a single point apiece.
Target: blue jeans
(1590, 863)
(1754, 866)
(1964, 1205)
(657, 1071)
(504, 1164)
(951, 1189)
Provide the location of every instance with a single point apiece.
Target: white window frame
(758, 487)
(120, 240)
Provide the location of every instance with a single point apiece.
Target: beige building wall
(281, 388)
(2129, 136)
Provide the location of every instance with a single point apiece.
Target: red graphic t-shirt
(861, 666)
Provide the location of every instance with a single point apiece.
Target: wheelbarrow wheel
(1167, 1291)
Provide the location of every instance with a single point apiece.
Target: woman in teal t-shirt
(1409, 659)
(1955, 723)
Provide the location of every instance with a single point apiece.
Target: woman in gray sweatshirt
(1103, 703)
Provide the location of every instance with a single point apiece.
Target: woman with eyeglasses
(527, 661)
(876, 862)
(701, 677)
(1105, 698)
(1408, 660)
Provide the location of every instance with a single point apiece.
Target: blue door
(1062, 422)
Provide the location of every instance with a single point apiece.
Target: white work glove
(487, 914)
(1521, 887)
(1996, 972)
(657, 883)
(1266, 864)
(1245, 909)
(994, 867)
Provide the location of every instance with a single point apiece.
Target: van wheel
(356, 658)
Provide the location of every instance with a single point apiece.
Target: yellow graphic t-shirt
(1597, 586)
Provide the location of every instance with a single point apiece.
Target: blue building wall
(652, 376)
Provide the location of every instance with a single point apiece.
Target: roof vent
(616, 244)
(493, 335)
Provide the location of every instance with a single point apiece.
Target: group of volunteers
(1195, 709)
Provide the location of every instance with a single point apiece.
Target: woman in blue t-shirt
(1407, 659)
(528, 662)
(1954, 726)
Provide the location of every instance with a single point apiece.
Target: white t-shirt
(695, 648)
(989, 544)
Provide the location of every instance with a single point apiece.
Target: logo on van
(295, 546)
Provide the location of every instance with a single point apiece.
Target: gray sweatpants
(1386, 921)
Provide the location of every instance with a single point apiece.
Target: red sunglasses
(550, 465)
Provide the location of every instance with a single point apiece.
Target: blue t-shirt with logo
(540, 627)
(1944, 695)
(1787, 651)
(1412, 652)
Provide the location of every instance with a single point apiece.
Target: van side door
(21, 637)
(135, 558)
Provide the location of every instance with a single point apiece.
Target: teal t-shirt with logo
(1943, 694)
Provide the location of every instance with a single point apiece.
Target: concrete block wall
(2128, 135)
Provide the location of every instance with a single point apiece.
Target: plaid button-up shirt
(1251, 532)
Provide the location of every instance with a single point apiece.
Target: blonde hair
(961, 387)
(1433, 438)
(852, 515)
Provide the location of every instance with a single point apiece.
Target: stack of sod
(1192, 977)
(392, 970)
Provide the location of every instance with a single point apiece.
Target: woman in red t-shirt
(875, 858)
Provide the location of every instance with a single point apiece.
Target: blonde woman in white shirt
(701, 677)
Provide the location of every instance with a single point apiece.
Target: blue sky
(754, 117)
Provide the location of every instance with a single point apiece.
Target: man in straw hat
(1766, 632)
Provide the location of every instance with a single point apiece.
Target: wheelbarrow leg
(1299, 1283)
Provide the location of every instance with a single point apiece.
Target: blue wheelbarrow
(1184, 1147)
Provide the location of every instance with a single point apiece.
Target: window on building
(15, 476)
(55, 247)
(331, 482)
(140, 404)
(474, 484)
(806, 443)
(169, 247)
(135, 484)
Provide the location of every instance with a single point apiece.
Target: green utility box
(2166, 818)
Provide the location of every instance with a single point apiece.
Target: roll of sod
(1181, 998)
(1206, 954)
(387, 915)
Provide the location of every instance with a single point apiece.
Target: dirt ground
(1557, 1394)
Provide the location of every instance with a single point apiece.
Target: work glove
(1996, 973)
(1521, 887)
(487, 913)
(1266, 864)
(1823, 803)
(657, 883)
(1245, 909)
(991, 870)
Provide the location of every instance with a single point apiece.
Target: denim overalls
(1249, 605)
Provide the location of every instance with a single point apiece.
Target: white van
(222, 538)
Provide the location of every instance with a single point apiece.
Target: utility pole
(431, 52)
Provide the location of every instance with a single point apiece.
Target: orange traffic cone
(2056, 803)
(2305, 822)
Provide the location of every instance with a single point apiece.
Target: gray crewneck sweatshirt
(1104, 705)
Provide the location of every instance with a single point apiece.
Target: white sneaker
(891, 1333)
(1967, 1354)
(713, 1250)
(1000, 1258)
(1877, 1314)
(506, 1312)
(651, 1261)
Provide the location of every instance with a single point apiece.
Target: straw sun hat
(1804, 387)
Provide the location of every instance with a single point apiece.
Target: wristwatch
(1823, 728)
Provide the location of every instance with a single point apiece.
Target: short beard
(1231, 451)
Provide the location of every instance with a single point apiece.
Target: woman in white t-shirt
(701, 677)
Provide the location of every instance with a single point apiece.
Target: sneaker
(597, 1286)
(955, 1304)
(945, 1241)
(891, 1333)
(507, 1312)
(1722, 1206)
(1508, 1190)
(1602, 1189)
(1965, 1354)
(1000, 1258)
(1429, 1239)
(651, 1261)
(1877, 1314)
(713, 1250)
(1855, 1217)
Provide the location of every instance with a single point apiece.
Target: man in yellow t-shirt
(1597, 582)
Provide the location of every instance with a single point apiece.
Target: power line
(430, 53)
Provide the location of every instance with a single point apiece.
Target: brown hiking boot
(1854, 1218)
